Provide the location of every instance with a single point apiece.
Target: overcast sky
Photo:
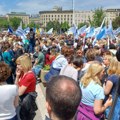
(34, 6)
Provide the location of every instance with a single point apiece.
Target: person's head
(37, 49)
(107, 59)
(79, 52)
(63, 96)
(90, 55)
(77, 62)
(114, 67)
(4, 71)
(24, 63)
(94, 72)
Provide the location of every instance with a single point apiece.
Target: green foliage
(116, 23)
(31, 25)
(97, 17)
(15, 22)
(49, 25)
(65, 26)
(3, 23)
(82, 24)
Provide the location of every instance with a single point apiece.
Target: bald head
(64, 95)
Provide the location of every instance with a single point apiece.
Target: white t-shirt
(7, 97)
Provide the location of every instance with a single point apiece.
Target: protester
(8, 95)
(26, 81)
(63, 96)
(111, 85)
(39, 59)
(91, 105)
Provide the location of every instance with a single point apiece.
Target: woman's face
(19, 67)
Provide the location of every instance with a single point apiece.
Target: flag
(27, 30)
(72, 30)
(20, 32)
(10, 30)
(98, 34)
(101, 33)
(37, 31)
(50, 31)
(91, 32)
(81, 30)
(117, 31)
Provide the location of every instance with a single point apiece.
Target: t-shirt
(91, 93)
(114, 79)
(69, 71)
(7, 97)
(29, 81)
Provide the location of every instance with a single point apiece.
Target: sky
(34, 6)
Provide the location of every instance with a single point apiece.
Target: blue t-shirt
(114, 79)
(91, 93)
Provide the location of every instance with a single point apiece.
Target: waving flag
(81, 30)
(20, 32)
(99, 33)
(50, 31)
(27, 30)
(72, 30)
(10, 30)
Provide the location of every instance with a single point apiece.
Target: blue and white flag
(72, 30)
(50, 31)
(10, 30)
(81, 30)
(91, 33)
(20, 32)
(27, 30)
(99, 32)
(117, 31)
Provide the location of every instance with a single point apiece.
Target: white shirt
(7, 97)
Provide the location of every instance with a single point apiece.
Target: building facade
(112, 14)
(23, 16)
(60, 16)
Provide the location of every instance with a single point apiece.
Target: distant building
(22, 15)
(112, 13)
(79, 16)
(35, 18)
(56, 14)
(83, 16)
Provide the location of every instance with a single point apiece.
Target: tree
(15, 22)
(82, 24)
(56, 26)
(116, 22)
(49, 25)
(3, 23)
(65, 26)
(98, 17)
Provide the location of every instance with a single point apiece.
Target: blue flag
(10, 30)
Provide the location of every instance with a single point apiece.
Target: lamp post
(73, 12)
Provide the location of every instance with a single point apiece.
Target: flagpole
(73, 11)
(73, 18)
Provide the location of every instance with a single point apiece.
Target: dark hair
(77, 61)
(4, 71)
(64, 95)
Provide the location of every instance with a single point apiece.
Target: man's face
(79, 53)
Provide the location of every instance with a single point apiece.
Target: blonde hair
(25, 62)
(114, 67)
(108, 57)
(92, 74)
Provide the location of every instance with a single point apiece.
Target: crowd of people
(81, 81)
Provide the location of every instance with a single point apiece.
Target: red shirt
(49, 59)
(28, 80)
